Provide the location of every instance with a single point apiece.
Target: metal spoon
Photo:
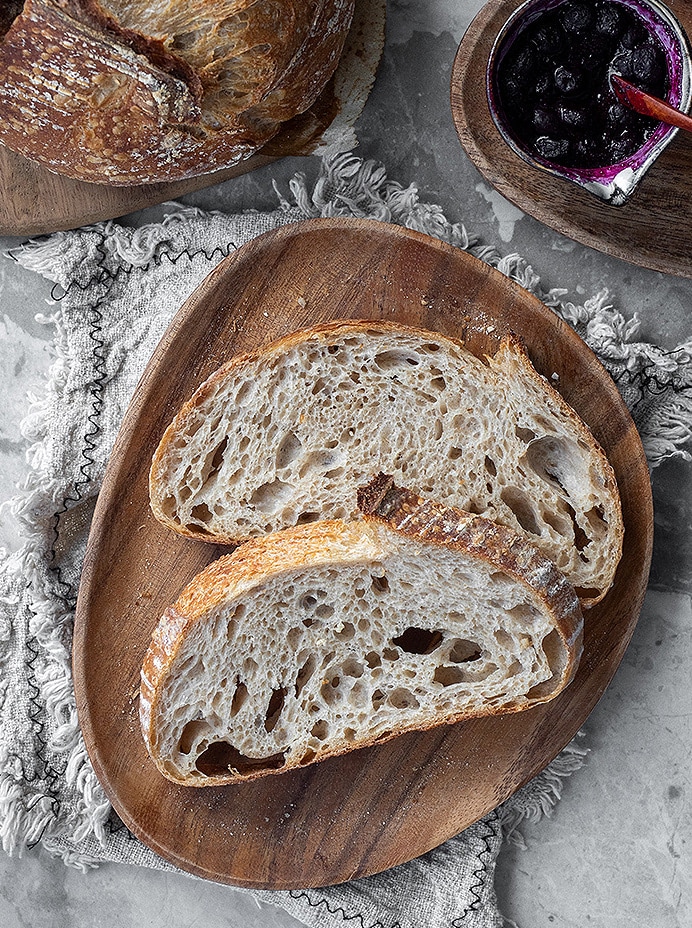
(647, 105)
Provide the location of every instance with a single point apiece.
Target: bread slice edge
(397, 511)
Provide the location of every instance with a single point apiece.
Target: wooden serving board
(651, 230)
(36, 201)
(377, 807)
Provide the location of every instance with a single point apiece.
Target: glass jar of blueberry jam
(554, 86)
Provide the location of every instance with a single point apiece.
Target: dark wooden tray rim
(377, 807)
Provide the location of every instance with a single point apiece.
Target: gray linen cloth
(116, 290)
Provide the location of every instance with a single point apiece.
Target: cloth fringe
(24, 821)
(347, 186)
(538, 799)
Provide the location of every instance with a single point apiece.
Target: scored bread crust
(554, 482)
(399, 526)
(135, 91)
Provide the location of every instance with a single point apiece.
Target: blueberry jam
(554, 86)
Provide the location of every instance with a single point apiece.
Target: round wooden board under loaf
(377, 807)
(651, 230)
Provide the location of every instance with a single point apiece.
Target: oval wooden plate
(377, 807)
(651, 230)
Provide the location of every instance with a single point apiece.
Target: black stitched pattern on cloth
(68, 596)
(648, 381)
(50, 773)
(492, 826)
(44, 770)
(492, 823)
(66, 593)
(338, 910)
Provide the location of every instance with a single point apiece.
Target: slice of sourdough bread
(319, 639)
(285, 436)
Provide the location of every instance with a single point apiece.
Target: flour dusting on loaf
(285, 436)
(310, 642)
(142, 91)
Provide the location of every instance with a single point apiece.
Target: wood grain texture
(35, 201)
(651, 230)
(377, 807)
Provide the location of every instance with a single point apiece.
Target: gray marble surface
(616, 851)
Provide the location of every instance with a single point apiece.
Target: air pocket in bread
(285, 436)
(310, 642)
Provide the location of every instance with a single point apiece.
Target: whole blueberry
(577, 17)
(567, 79)
(622, 63)
(549, 40)
(553, 149)
(544, 119)
(512, 93)
(620, 116)
(635, 34)
(586, 152)
(608, 21)
(572, 116)
(544, 87)
(525, 61)
(621, 148)
(646, 63)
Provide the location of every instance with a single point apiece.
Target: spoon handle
(646, 105)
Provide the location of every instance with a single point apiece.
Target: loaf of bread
(138, 91)
(310, 642)
(287, 434)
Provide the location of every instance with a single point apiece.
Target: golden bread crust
(334, 542)
(511, 362)
(139, 92)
